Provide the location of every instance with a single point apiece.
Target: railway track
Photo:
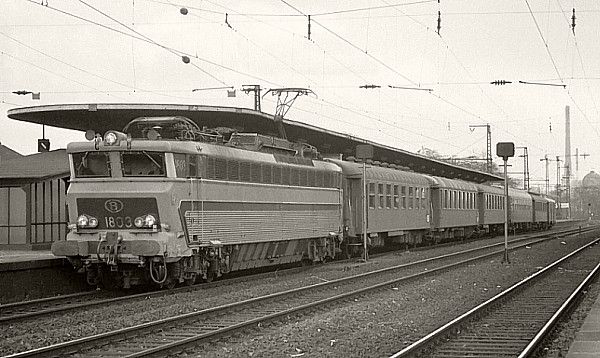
(515, 322)
(174, 334)
(85, 300)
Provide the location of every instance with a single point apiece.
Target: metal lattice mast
(488, 157)
(525, 157)
(256, 89)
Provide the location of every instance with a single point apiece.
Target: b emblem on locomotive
(113, 205)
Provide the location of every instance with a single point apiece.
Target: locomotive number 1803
(118, 222)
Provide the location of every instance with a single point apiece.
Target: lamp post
(505, 150)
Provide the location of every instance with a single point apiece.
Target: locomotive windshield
(143, 164)
(91, 165)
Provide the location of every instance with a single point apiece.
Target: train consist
(165, 202)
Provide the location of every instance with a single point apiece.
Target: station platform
(26, 275)
(587, 340)
(13, 260)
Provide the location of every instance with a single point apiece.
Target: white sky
(77, 53)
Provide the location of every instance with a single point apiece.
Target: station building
(33, 211)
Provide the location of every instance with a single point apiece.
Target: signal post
(505, 150)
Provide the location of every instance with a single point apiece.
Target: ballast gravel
(373, 326)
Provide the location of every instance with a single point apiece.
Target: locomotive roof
(103, 117)
(201, 149)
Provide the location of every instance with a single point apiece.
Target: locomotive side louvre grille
(285, 175)
(276, 174)
(245, 174)
(311, 178)
(220, 169)
(233, 170)
(266, 173)
(295, 176)
(255, 172)
(319, 181)
(210, 168)
(249, 226)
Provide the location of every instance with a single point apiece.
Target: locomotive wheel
(190, 281)
(170, 284)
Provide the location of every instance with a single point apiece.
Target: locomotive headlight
(150, 220)
(82, 221)
(139, 222)
(92, 222)
(110, 138)
(114, 138)
(146, 221)
(87, 222)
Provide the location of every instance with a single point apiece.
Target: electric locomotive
(165, 202)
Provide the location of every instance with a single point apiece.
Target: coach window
(388, 196)
(372, 195)
(411, 195)
(424, 198)
(417, 205)
(396, 197)
(381, 195)
(445, 199)
(403, 194)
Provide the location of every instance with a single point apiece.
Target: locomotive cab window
(91, 164)
(143, 164)
(186, 166)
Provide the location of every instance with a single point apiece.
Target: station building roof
(21, 169)
(103, 117)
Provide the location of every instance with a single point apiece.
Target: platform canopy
(103, 117)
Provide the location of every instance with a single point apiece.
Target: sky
(431, 87)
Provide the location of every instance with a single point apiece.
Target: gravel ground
(558, 345)
(382, 324)
(373, 326)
